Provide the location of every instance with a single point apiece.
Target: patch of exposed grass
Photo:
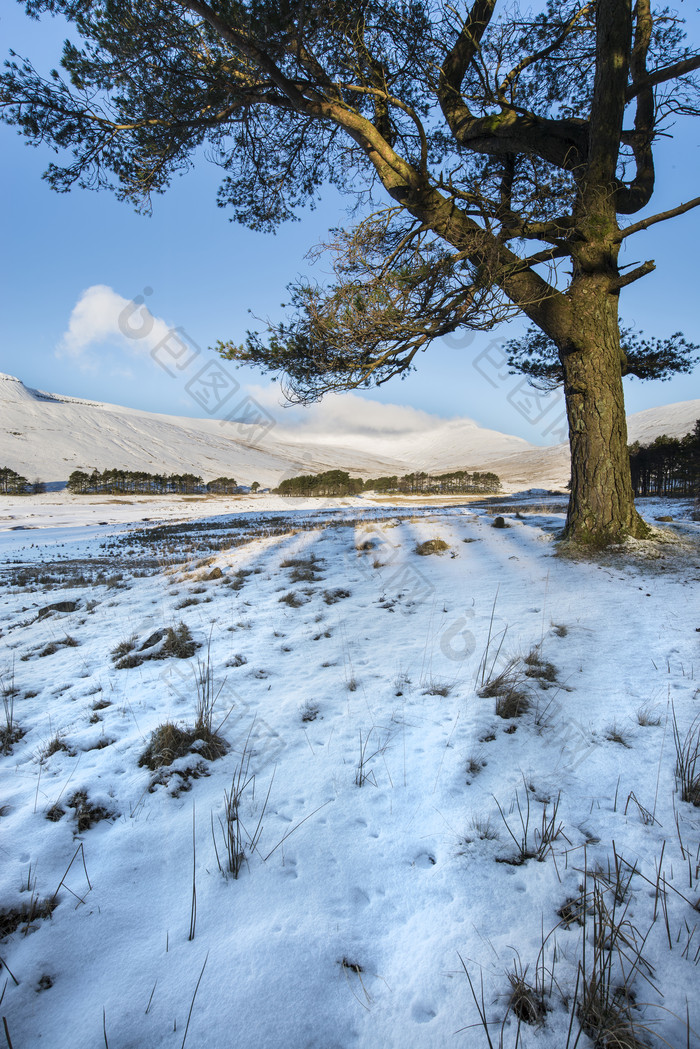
(172, 642)
(10, 731)
(475, 764)
(53, 746)
(187, 602)
(536, 667)
(438, 688)
(124, 648)
(614, 734)
(648, 714)
(432, 546)
(507, 688)
(292, 599)
(688, 760)
(331, 597)
(26, 916)
(87, 814)
(178, 643)
(169, 742)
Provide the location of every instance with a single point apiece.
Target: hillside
(47, 435)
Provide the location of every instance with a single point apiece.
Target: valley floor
(427, 770)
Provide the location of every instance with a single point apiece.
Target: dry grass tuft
(539, 668)
(53, 746)
(292, 599)
(648, 714)
(331, 597)
(172, 642)
(688, 760)
(169, 742)
(438, 688)
(26, 916)
(614, 734)
(507, 688)
(526, 1001)
(178, 643)
(87, 814)
(432, 546)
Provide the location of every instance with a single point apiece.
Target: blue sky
(206, 273)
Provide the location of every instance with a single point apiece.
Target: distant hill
(47, 436)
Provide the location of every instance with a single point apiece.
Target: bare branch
(638, 194)
(633, 275)
(662, 75)
(659, 217)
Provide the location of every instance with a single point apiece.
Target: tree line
(138, 482)
(12, 483)
(667, 465)
(340, 483)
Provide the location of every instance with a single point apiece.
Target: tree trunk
(601, 505)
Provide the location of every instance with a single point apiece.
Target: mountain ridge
(47, 436)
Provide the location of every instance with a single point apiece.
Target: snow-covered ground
(389, 798)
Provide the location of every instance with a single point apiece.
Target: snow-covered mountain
(47, 436)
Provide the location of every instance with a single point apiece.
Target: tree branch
(633, 275)
(661, 216)
(545, 52)
(660, 76)
(638, 194)
(613, 37)
(458, 60)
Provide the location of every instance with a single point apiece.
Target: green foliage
(644, 357)
(12, 483)
(330, 483)
(138, 482)
(667, 465)
(457, 482)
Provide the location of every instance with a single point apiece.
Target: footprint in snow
(422, 1014)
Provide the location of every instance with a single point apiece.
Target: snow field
(349, 932)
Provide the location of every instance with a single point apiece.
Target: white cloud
(346, 414)
(102, 316)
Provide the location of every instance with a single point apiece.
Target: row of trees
(332, 482)
(667, 466)
(138, 482)
(458, 482)
(338, 482)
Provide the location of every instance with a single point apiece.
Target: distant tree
(254, 486)
(667, 465)
(78, 482)
(330, 483)
(458, 481)
(382, 484)
(512, 145)
(12, 483)
(222, 485)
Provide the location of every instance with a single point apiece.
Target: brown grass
(169, 742)
(432, 546)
